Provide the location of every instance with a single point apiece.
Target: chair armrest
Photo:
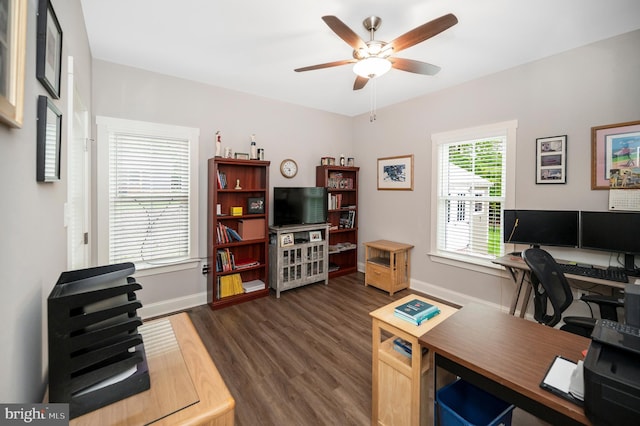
(608, 305)
(603, 300)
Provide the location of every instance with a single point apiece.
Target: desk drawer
(378, 276)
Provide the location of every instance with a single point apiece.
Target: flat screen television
(541, 227)
(612, 232)
(299, 205)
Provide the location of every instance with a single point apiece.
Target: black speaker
(632, 304)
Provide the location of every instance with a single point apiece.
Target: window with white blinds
(473, 179)
(151, 185)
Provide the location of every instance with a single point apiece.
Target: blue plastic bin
(461, 403)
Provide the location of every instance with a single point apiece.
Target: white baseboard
(452, 296)
(172, 305)
(445, 294)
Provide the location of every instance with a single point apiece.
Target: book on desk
(416, 311)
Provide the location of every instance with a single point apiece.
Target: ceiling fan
(374, 58)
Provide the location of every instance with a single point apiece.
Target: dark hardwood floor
(303, 359)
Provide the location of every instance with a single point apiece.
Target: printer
(612, 370)
(611, 385)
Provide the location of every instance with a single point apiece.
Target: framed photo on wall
(48, 141)
(49, 50)
(396, 173)
(13, 35)
(615, 156)
(551, 159)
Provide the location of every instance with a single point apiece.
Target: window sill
(147, 269)
(477, 265)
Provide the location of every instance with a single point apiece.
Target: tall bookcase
(342, 185)
(237, 241)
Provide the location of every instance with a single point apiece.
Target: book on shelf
(404, 347)
(224, 260)
(222, 180)
(229, 285)
(416, 311)
(253, 285)
(225, 234)
(246, 263)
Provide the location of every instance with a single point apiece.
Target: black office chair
(551, 286)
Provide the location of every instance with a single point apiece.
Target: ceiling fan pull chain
(372, 112)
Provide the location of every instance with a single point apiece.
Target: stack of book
(229, 285)
(404, 347)
(416, 311)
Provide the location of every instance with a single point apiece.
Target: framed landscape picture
(396, 173)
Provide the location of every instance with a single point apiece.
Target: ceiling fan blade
(423, 32)
(360, 82)
(344, 32)
(414, 66)
(327, 65)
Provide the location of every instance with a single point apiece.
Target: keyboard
(591, 272)
(616, 334)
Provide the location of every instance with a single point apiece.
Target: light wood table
(186, 388)
(387, 265)
(400, 385)
(506, 356)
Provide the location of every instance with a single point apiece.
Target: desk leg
(518, 281)
(527, 296)
(439, 377)
(375, 333)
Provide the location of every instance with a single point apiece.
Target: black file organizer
(93, 338)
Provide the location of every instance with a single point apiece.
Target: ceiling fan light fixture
(372, 67)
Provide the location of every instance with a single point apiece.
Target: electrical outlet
(205, 269)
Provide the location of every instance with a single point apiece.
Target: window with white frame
(147, 192)
(473, 182)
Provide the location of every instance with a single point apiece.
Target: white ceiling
(253, 46)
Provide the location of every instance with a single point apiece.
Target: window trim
(504, 128)
(107, 125)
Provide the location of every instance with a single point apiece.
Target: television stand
(298, 255)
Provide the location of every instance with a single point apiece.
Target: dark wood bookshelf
(341, 182)
(253, 176)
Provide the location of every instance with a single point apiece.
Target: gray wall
(33, 237)
(283, 130)
(565, 94)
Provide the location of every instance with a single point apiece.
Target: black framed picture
(49, 141)
(551, 159)
(255, 205)
(49, 50)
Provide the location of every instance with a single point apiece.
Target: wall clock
(288, 168)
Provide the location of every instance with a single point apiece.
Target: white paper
(559, 375)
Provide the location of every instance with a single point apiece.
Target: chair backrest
(549, 285)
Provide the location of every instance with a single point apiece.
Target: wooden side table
(186, 388)
(388, 265)
(400, 384)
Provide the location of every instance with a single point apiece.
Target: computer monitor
(613, 232)
(541, 227)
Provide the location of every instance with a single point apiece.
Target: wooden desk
(193, 373)
(519, 271)
(508, 357)
(399, 394)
